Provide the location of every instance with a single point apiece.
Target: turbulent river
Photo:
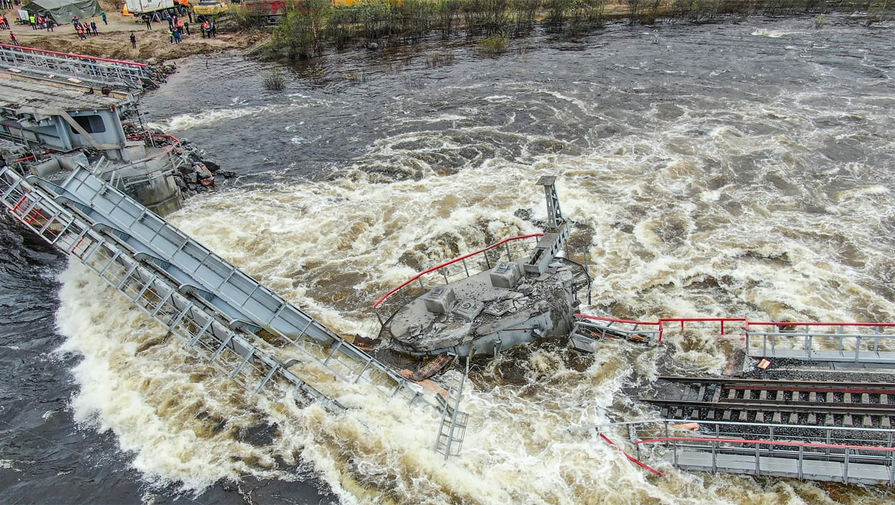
(716, 170)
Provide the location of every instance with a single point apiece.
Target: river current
(740, 169)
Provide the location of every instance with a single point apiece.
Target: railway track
(807, 403)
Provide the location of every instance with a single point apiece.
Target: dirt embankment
(113, 40)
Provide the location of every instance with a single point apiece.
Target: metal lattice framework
(822, 453)
(151, 277)
(77, 67)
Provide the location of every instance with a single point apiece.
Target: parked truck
(138, 7)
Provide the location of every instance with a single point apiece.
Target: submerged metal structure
(504, 295)
(63, 108)
(491, 300)
(251, 333)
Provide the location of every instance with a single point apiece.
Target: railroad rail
(796, 402)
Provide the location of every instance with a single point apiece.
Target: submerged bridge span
(251, 333)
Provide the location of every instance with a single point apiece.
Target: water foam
(727, 208)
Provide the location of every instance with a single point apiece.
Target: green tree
(302, 28)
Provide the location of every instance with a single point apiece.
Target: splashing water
(759, 189)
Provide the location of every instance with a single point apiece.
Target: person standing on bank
(133, 40)
(105, 19)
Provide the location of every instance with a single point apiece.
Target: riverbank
(309, 34)
(113, 40)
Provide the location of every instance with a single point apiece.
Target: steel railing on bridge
(824, 453)
(816, 341)
(101, 71)
(510, 249)
(834, 342)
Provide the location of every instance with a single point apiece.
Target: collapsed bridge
(252, 334)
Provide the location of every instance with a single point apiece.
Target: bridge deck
(141, 260)
(830, 471)
(34, 97)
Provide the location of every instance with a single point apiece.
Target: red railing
(35, 156)
(449, 263)
(632, 459)
(71, 55)
(660, 324)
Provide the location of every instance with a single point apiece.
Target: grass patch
(275, 80)
(493, 45)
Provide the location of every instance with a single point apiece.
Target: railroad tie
(679, 413)
(763, 395)
(830, 398)
(794, 418)
(846, 420)
(884, 399)
(865, 398)
(700, 394)
(866, 422)
(726, 416)
(759, 417)
(884, 422)
(717, 395)
(710, 415)
(812, 397)
(777, 418)
(846, 398)
(731, 394)
(828, 420)
(779, 396)
(744, 416)
(811, 419)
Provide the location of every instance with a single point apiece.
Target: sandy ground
(113, 40)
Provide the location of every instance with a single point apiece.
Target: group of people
(209, 29)
(167, 14)
(84, 29)
(177, 28)
(40, 22)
